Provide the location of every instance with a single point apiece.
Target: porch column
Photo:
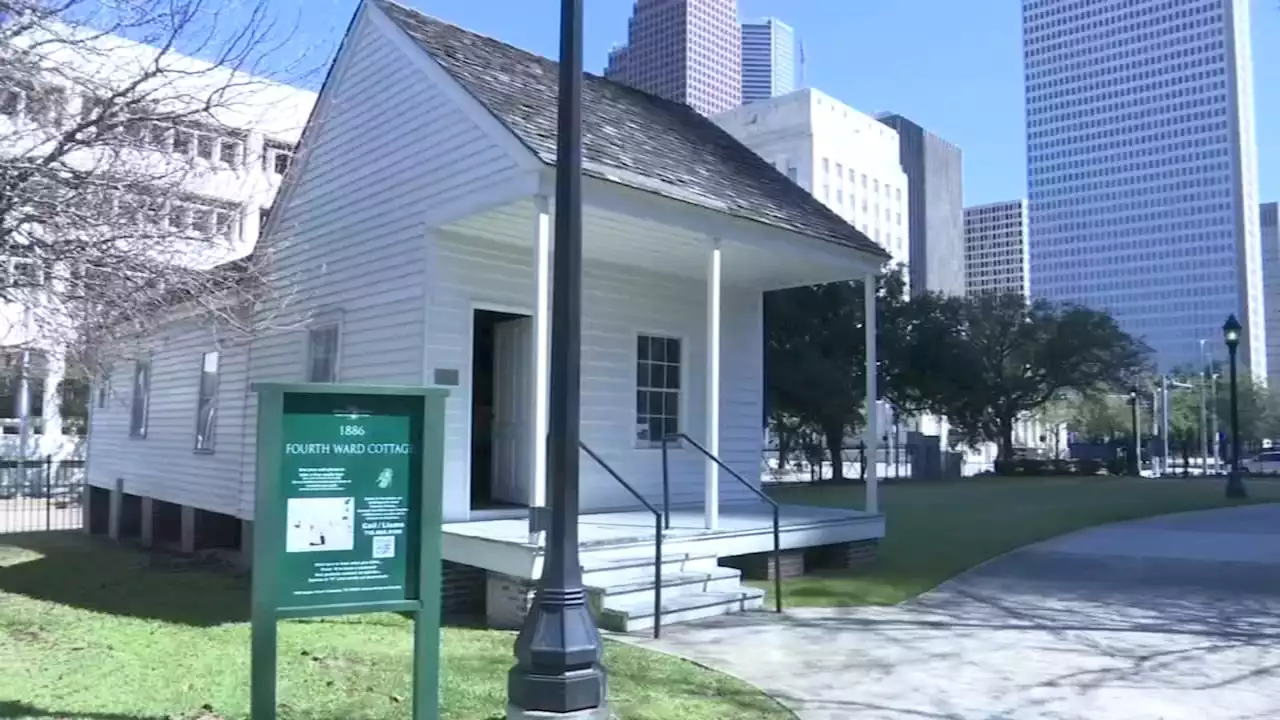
(541, 358)
(712, 495)
(871, 432)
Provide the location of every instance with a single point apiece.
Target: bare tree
(108, 128)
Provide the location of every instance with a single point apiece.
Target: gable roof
(628, 136)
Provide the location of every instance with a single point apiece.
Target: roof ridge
(632, 137)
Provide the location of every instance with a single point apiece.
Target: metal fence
(41, 494)
(892, 462)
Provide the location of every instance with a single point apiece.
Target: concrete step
(636, 614)
(605, 569)
(714, 579)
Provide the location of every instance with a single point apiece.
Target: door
(512, 410)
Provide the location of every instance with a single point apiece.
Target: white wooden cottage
(415, 231)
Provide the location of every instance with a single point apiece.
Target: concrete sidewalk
(1168, 618)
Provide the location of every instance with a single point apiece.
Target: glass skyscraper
(1142, 168)
(769, 64)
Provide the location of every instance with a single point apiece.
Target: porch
(698, 574)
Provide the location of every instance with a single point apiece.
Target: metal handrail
(777, 534)
(657, 543)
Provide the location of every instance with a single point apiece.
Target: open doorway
(501, 410)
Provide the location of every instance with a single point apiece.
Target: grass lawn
(94, 631)
(936, 530)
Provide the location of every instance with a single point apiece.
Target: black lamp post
(1235, 483)
(559, 653)
(1135, 457)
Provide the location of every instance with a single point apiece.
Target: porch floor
(687, 523)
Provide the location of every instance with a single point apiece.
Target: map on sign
(320, 524)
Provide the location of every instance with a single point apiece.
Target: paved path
(1170, 618)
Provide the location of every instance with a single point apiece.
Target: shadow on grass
(23, 710)
(80, 571)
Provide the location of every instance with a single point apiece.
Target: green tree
(815, 359)
(1004, 358)
(1099, 416)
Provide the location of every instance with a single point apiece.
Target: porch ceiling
(668, 248)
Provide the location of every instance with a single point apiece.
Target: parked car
(1263, 462)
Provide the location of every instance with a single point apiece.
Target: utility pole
(1164, 424)
(1213, 420)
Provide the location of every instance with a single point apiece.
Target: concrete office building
(1270, 225)
(995, 248)
(935, 207)
(689, 51)
(845, 158)
(227, 174)
(1142, 169)
(769, 64)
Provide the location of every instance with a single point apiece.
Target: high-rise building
(845, 158)
(935, 206)
(995, 248)
(1142, 169)
(768, 59)
(689, 51)
(1270, 226)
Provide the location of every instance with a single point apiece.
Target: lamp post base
(558, 671)
(1235, 486)
(600, 713)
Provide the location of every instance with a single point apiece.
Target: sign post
(347, 519)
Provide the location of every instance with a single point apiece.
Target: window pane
(657, 349)
(673, 350)
(656, 432)
(673, 377)
(655, 403)
(642, 348)
(671, 427)
(138, 407)
(206, 406)
(642, 375)
(230, 152)
(323, 354)
(671, 404)
(641, 402)
(182, 142)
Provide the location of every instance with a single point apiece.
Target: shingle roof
(629, 137)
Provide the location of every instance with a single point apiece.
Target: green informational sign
(347, 518)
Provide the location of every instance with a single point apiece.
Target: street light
(559, 669)
(1235, 484)
(1135, 456)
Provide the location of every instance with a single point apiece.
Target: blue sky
(953, 66)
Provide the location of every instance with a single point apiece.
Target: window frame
(139, 420)
(682, 374)
(334, 324)
(206, 443)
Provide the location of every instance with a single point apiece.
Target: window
(10, 101)
(204, 146)
(322, 354)
(104, 387)
(141, 401)
(207, 401)
(657, 388)
(276, 157)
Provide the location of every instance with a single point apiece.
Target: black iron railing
(41, 494)
(657, 534)
(777, 533)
